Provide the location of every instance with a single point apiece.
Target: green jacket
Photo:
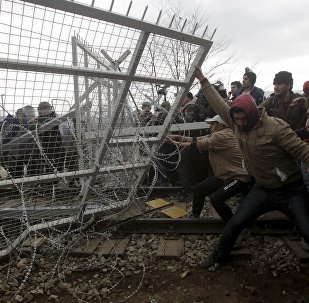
(270, 150)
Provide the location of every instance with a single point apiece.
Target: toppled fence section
(73, 81)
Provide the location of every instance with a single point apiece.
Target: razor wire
(56, 112)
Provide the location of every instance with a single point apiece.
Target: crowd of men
(52, 150)
(259, 147)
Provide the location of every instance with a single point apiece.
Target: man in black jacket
(248, 87)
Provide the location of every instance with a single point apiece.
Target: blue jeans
(292, 200)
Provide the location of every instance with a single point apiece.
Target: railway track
(172, 235)
(173, 231)
(268, 225)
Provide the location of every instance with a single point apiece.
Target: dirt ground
(271, 276)
(236, 282)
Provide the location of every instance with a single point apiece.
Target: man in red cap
(269, 148)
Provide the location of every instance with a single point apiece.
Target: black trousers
(292, 200)
(193, 167)
(218, 191)
(186, 171)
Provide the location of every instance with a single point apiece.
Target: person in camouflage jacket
(284, 103)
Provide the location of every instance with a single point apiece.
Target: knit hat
(283, 77)
(45, 106)
(306, 88)
(250, 74)
(247, 104)
(202, 99)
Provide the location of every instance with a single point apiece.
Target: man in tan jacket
(270, 149)
(225, 158)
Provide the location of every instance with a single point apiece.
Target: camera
(161, 90)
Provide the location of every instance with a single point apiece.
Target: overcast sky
(273, 33)
(268, 35)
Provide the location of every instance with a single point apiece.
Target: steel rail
(123, 20)
(71, 174)
(83, 71)
(270, 225)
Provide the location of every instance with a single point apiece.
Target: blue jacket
(256, 92)
(10, 128)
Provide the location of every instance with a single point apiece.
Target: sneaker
(212, 260)
(304, 244)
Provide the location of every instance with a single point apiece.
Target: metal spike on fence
(213, 34)
(107, 56)
(111, 7)
(184, 24)
(159, 17)
(129, 8)
(145, 11)
(92, 3)
(90, 50)
(206, 28)
(195, 27)
(172, 21)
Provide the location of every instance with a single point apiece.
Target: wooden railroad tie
(170, 249)
(295, 246)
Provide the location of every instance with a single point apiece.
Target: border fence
(73, 79)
